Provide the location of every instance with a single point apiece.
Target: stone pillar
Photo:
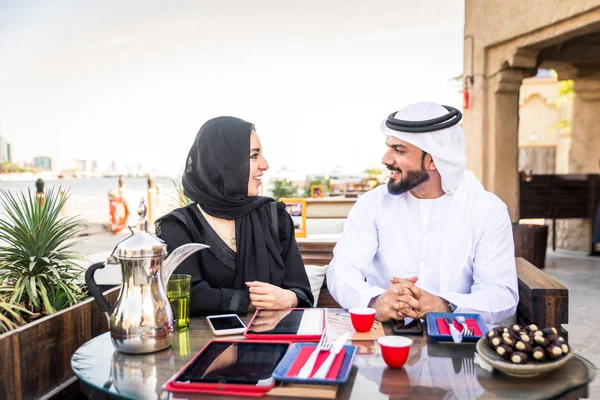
(502, 142)
(584, 156)
(563, 149)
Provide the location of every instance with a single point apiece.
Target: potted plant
(37, 260)
(44, 316)
(283, 188)
(318, 180)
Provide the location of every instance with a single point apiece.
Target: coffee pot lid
(142, 244)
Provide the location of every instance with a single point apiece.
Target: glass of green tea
(178, 292)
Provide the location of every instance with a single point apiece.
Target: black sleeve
(295, 278)
(205, 298)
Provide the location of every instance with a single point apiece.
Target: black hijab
(216, 177)
(218, 168)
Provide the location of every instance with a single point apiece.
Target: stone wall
(571, 234)
(495, 21)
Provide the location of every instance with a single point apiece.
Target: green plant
(318, 180)
(566, 90)
(11, 315)
(562, 125)
(58, 297)
(179, 199)
(373, 172)
(283, 188)
(7, 167)
(37, 255)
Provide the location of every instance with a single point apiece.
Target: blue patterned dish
(289, 358)
(433, 332)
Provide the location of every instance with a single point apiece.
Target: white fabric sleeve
(494, 293)
(353, 254)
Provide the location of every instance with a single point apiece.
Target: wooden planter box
(35, 359)
(531, 242)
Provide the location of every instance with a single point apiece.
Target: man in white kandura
(433, 240)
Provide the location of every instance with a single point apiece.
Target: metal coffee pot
(142, 320)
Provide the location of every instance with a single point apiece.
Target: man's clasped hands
(405, 299)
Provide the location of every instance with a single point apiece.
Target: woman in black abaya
(253, 259)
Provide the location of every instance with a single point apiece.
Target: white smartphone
(227, 324)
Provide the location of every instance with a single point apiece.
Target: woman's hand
(265, 295)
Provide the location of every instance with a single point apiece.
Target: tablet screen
(288, 322)
(235, 362)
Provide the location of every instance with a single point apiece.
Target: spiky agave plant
(11, 315)
(37, 255)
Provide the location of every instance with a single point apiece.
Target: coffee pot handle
(95, 290)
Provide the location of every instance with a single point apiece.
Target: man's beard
(410, 180)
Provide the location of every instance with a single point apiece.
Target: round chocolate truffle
(518, 357)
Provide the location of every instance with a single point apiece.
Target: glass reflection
(427, 373)
(136, 375)
(182, 344)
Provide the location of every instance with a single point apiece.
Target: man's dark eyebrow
(396, 146)
(256, 149)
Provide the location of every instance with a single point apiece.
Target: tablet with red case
(261, 359)
(294, 324)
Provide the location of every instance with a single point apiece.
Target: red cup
(394, 350)
(362, 318)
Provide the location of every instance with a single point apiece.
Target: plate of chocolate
(524, 350)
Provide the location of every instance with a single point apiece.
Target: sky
(133, 81)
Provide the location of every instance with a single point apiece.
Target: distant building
(87, 165)
(4, 150)
(43, 162)
(81, 165)
(87, 168)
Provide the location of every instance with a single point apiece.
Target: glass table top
(433, 370)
